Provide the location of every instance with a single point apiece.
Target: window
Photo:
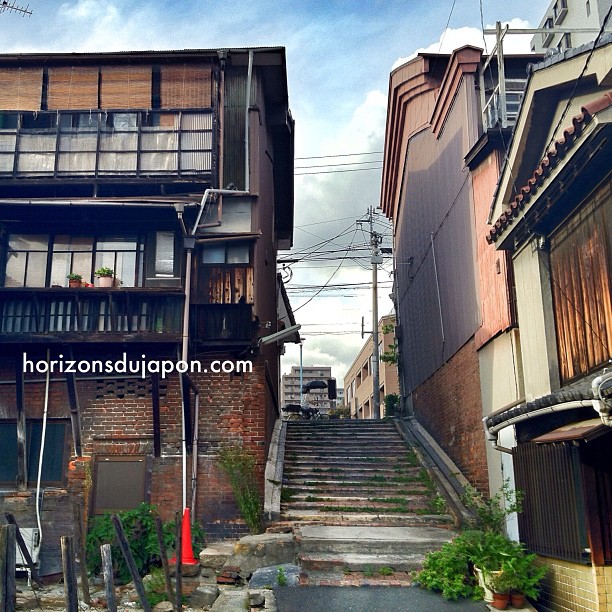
(40, 260)
(226, 253)
(54, 458)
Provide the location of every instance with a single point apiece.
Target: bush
(447, 571)
(492, 512)
(139, 527)
(239, 464)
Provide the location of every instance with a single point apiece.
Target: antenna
(11, 7)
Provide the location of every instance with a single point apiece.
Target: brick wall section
(448, 405)
(116, 419)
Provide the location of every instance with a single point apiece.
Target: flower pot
(105, 281)
(500, 601)
(517, 600)
(75, 283)
(480, 575)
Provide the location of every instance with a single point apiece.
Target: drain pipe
(42, 448)
(491, 432)
(247, 177)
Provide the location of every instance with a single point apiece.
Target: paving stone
(204, 596)
(268, 576)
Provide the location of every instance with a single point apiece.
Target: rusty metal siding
(553, 519)
(436, 202)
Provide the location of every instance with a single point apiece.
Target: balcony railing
(63, 314)
(222, 323)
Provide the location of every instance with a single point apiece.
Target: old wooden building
(173, 170)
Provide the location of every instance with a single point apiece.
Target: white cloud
(454, 38)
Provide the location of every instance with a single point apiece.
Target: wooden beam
(8, 589)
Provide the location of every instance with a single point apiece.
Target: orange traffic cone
(187, 557)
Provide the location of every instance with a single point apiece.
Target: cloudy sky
(339, 56)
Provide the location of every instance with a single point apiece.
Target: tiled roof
(550, 161)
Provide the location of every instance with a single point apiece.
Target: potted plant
(74, 280)
(488, 550)
(105, 277)
(499, 584)
(524, 576)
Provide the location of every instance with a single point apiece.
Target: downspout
(42, 449)
(247, 179)
(433, 252)
(194, 458)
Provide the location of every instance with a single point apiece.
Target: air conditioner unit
(31, 537)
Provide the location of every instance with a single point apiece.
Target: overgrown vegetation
(239, 464)
(450, 569)
(392, 402)
(139, 527)
(390, 355)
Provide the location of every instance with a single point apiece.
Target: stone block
(203, 596)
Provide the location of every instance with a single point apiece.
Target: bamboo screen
(186, 86)
(73, 88)
(580, 260)
(125, 87)
(20, 88)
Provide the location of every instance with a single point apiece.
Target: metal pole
(375, 356)
(301, 374)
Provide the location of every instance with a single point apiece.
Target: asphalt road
(368, 599)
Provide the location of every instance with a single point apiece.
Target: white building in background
(290, 387)
(571, 15)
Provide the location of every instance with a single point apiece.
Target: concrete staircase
(345, 472)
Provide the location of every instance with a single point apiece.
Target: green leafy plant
(447, 571)
(390, 356)
(392, 403)
(340, 412)
(105, 272)
(492, 512)
(139, 527)
(523, 574)
(281, 578)
(386, 571)
(368, 571)
(74, 277)
(239, 464)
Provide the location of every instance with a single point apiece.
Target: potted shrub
(105, 277)
(74, 280)
(524, 576)
(499, 584)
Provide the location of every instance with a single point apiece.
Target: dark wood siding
(580, 271)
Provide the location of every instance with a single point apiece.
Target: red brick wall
(116, 418)
(448, 405)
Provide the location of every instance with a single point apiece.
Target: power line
(341, 155)
(334, 171)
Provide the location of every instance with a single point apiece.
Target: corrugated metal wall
(436, 200)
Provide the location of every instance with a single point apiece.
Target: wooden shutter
(20, 88)
(125, 87)
(73, 88)
(186, 86)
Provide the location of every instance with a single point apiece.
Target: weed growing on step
(281, 578)
(239, 464)
(437, 505)
(286, 495)
(368, 571)
(386, 571)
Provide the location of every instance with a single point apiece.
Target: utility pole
(375, 240)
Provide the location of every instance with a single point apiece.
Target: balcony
(59, 314)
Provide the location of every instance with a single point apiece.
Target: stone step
(337, 473)
(366, 519)
(360, 562)
(380, 540)
(343, 492)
